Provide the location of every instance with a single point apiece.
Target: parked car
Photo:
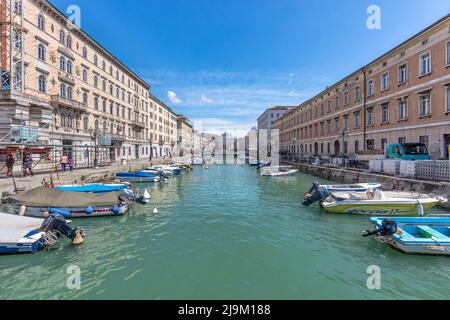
(408, 151)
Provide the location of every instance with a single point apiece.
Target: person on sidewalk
(64, 161)
(10, 161)
(27, 164)
(71, 164)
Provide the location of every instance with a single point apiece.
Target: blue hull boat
(28, 235)
(428, 236)
(138, 177)
(93, 188)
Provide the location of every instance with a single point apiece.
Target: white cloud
(205, 100)
(173, 97)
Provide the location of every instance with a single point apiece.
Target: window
(41, 52)
(402, 140)
(42, 83)
(62, 63)
(346, 100)
(370, 144)
(111, 89)
(96, 81)
(41, 22)
(69, 41)
(448, 54)
(62, 90)
(336, 124)
(18, 7)
(329, 106)
(385, 81)
(111, 108)
(69, 93)
(70, 121)
(402, 74)
(356, 146)
(85, 98)
(62, 37)
(402, 109)
(346, 122)
(103, 65)
(370, 119)
(96, 103)
(17, 39)
(357, 93)
(95, 60)
(85, 54)
(356, 116)
(104, 105)
(424, 105)
(385, 113)
(425, 64)
(447, 102)
(336, 102)
(424, 140)
(69, 67)
(85, 123)
(85, 75)
(370, 88)
(104, 85)
(63, 119)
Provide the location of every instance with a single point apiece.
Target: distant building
(185, 133)
(267, 118)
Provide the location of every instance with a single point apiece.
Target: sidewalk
(89, 175)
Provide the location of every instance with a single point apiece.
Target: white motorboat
(278, 171)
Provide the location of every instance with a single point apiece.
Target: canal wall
(389, 183)
(103, 174)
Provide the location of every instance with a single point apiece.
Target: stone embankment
(389, 183)
(103, 174)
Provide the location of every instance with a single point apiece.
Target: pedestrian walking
(64, 161)
(10, 161)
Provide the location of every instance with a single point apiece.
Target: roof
(277, 108)
(161, 103)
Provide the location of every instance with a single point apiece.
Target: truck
(407, 151)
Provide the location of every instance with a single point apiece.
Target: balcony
(138, 124)
(60, 101)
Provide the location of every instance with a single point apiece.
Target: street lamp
(94, 136)
(343, 133)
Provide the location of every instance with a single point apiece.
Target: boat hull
(379, 208)
(82, 212)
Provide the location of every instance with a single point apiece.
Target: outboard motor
(316, 193)
(58, 226)
(387, 229)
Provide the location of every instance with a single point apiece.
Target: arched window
(103, 65)
(104, 105)
(104, 85)
(110, 70)
(96, 81)
(41, 52)
(96, 125)
(63, 119)
(41, 22)
(62, 63)
(42, 83)
(112, 128)
(70, 120)
(85, 98)
(62, 90)
(111, 107)
(105, 127)
(85, 52)
(69, 41)
(85, 75)
(69, 67)
(111, 89)
(85, 123)
(69, 93)
(96, 103)
(62, 37)
(95, 60)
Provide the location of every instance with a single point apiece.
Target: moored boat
(376, 202)
(93, 187)
(28, 235)
(138, 177)
(40, 201)
(279, 171)
(428, 236)
(358, 187)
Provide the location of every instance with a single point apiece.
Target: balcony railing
(138, 124)
(56, 99)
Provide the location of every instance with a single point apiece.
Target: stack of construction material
(391, 167)
(408, 169)
(433, 170)
(376, 166)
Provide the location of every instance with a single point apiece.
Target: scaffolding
(12, 45)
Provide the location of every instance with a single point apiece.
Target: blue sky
(222, 63)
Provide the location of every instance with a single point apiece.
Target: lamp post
(343, 133)
(94, 136)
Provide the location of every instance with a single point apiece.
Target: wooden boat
(280, 171)
(93, 187)
(376, 202)
(28, 235)
(429, 236)
(40, 201)
(359, 187)
(138, 177)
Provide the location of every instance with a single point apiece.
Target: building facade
(185, 133)
(265, 122)
(402, 96)
(62, 88)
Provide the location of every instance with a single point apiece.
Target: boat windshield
(416, 149)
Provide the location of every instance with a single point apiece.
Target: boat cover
(13, 228)
(95, 188)
(53, 198)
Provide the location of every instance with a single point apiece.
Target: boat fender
(116, 209)
(89, 210)
(420, 210)
(22, 210)
(65, 214)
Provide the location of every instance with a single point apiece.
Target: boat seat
(433, 233)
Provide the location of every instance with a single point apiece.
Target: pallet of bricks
(433, 170)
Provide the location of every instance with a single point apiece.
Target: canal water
(225, 233)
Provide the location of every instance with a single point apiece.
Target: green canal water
(225, 233)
